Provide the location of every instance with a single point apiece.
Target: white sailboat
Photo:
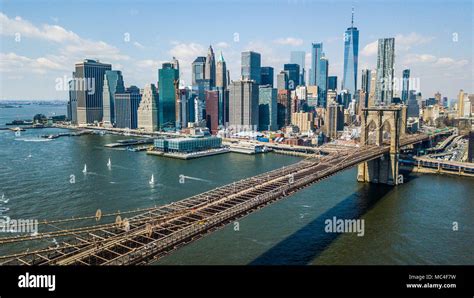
(85, 169)
(109, 164)
(152, 180)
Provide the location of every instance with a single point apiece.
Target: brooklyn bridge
(142, 236)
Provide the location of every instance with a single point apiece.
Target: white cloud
(370, 49)
(334, 39)
(93, 49)
(138, 45)
(186, 53)
(406, 42)
(222, 45)
(402, 43)
(431, 60)
(10, 27)
(419, 58)
(148, 63)
(447, 61)
(13, 63)
(73, 45)
(268, 55)
(289, 41)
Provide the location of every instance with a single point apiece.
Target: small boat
(152, 180)
(109, 164)
(85, 169)
(17, 129)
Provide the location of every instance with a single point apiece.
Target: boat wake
(120, 167)
(3, 200)
(33, 139)
(197, 179)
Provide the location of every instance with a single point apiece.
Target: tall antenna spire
(352, 21)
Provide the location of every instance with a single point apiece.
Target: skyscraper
(413, 109)
(334, 121)
(372, 91)
(200, 101)
(293, 71)
(148, 109)
(168, 76)
(221, 72)
(405, 85)
(198, 70)
(282, 80)
(351, 56)
(267, 106)
(243, 105)
(251, 64)
(332, 83)
(316, 49)
(461, 96)
(72, 105)
(303, 120)
(126, 108)
(438, 97)
(89, 80)
(221, 85)
(210, 71)
(283, 107)
(365, 87)
(186, 102)
(266, 75)
(385, 63)
(298, 57)
(312, 96)
(322, 81)
(212, 111)
(113, 83)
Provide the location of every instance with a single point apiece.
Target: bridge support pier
(382, 126)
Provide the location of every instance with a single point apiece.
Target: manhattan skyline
(53, 38)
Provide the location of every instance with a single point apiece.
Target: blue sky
(41, 40)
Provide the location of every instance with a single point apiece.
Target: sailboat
(109, 164)
(85, 169)
(152, 180)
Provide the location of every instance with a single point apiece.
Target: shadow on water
(307, 243)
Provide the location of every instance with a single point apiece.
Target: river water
(408, 224)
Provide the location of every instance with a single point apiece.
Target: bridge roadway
(160, 230)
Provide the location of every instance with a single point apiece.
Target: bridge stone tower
(382, 126)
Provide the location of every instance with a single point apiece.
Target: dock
(248, 148)
(192, 155)
(129, 142)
